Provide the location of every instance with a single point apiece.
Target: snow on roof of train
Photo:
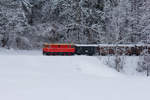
(58, 44)
(129, 45)
(95, 45)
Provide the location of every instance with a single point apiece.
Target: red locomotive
(58, 49)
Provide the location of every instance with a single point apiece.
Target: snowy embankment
(35, 77)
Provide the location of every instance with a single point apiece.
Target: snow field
(37, 77)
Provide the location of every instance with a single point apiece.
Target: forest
(27, 24)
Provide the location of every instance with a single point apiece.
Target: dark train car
(86, 49)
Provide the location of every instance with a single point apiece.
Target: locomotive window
(69, 46)
(54, 46)
(59, 46)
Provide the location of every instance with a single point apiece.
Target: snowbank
(4, 51)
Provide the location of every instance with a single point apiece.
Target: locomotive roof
(58, 44)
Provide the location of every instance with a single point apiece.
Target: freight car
(123, 49)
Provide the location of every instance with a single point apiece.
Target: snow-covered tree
(77, 21)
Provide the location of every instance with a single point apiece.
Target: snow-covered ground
(27, 75)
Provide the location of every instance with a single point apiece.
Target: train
(95, 49)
